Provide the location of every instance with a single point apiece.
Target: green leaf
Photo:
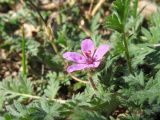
(155, 19)
(150, 92)
(139, 53)
(119, 17)
(136, 81)
(1, 102)
(83, 114)
(41, 110)
(113, 23)
(11, 88)
(95, 22)
(53, 86)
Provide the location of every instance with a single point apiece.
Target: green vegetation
(34, 83)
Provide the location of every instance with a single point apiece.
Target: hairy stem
(77, 79)
(127, 53)
(91, 81)
(24, 66)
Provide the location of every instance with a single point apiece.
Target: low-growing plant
(120, 79)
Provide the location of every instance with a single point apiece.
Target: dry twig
(99, 4)
(51, 6)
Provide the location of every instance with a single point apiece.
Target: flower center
(87, 53)
(90, 60)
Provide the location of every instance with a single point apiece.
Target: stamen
(90, 60)
(88, 53)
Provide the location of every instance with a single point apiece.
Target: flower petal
(101, 51)
(96, 64)
(74, 56)
(87, 47)
(93, 65)
(76, 67)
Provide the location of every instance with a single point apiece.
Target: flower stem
(91, 81)
(24, 65)
(36, 97)
(79, 80)
(127, 53)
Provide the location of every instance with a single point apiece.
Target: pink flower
(90, 57)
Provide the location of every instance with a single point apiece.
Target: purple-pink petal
(93, 65)
(76, 67)
(91, 57)
(75, 57)
(96, 64)
(87, 47)
(101, 51)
